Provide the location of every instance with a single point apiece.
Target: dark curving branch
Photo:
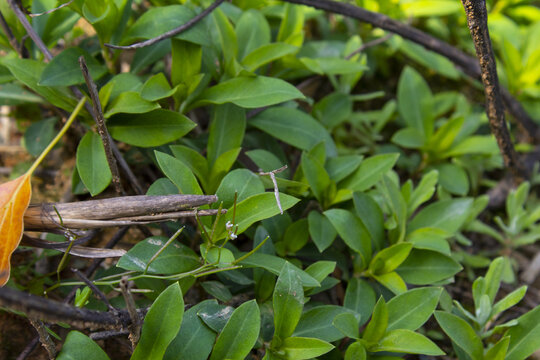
(468, 64)
(477, 20)
(171, 33)
(19, 48)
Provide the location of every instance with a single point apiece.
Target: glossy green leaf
(240, 181)
(447, 215)
(423, 192)
(461, 333)
(321, 230)
(347, 323)
(64, 69)
(407, 341)
(193, 160)
(294, 127)
(453, 178)
(412, 309)
(299, 348)
(371, 216)
(321, 269)
(266, 54)
(240, 334)
(225, 36)
(176, 258)
(157, 87)
(376, 327)
(317, 322)
(154, 128)
(178, 173)
(195, 340)
(498, 351)
(390, 258)
(288, 301)
(356, 351)
(78, 345)
(130, 102)
(415, 101)
(525, 336)
(161, 324)
(252, 32)
(424, 267)
(509, 300)
(340, 167)
(92, 163)
(360, 297)
(369, 172)
(227, 127)
(250, 92)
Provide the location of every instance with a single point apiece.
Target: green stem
(251, 252)
(58, 137)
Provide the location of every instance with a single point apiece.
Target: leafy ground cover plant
(350, 164)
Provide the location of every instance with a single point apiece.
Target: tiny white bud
(229, 225)
(233, 236)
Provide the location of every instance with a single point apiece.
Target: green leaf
(371, 216)
(266, 54)
(360, 297)
(321, 230)
(356, 351)
(317, 322)
(509, 300)
(215, 316)
(296, 236)
(428, 58)
(92, 163)
(39, 135)
(157, 87)
(431, 8)
(317, 177)
(275, 264)
(424, 267)
(176, 258)
(226, 36)
(332, 66)
(192, 159)
(299, 348)
(461, 333)
(369, 172)
(186, 63)
(392, 281)
(78, 345)
(352, 231)
(412, 309)
(64, 69)
(376, 328)
(161, 324)
(221, 166)
(288, 302)
(409, 138)
(178, 173)
(340, 167)
(13, 94)
(448, 215)
(154, 128)
(294, 127)
(240, 181)
(525, 336)
(407, 341)
(423, 192)
(388, 259)
(415, 101)
(240, 334)
(227, 127)
(130, 102)
(321, 269)
(217, 290)
(159, 20)
(252, 32)
(195, 340)
(250, 92)
(479, 144)
(453, 178)
(162, 186)
(498, 351)
(347, 323)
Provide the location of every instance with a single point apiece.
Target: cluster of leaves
(381, 196)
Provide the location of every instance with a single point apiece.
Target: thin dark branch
(468, 64)
(369, 44)
(94, 288)
(44, 337)
(30, 30)
(171, 33)
(135, 327)
(28, 349)
(134, 182)
(477, 20)
(107, 334)
(20, 49)
(54, 311)
(52, 10)
(30, 241)
(101, 127)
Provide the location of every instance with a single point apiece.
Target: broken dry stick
(118, 211)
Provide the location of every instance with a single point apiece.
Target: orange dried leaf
(14, 199)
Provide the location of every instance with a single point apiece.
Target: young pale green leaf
(369, 172)
(412, 309)
(321, 269)
(461, 333)
(352, 231)
(195, 340)
(448, 215)
(360, 297)
(64, 69)
(92, 163)
(493, 278)
(387, 260)
(347, 323)
(295, 128)
(161, 324)
(249, 92)
(321, 230)
(275, 264)
(157, 87)
(371, 216)
(78, 346)
(445, 135)
(239, 334)
(423, 192)
(407, 341)
(221, 167)
(356, 351)
(300, 348)
(266, 54)
(226, 36)
(376, 327)
(153, 128)
(178, 173)
(130, 102)
(415, 101)
(240, 181)
(291, 27)
(186, 63)
(288, 302)
(252, 32)
(392, 281)
(498, 351)
(227, 127)
(176, 258)
(509, 300)
(317, 323)
(525, 336)
(424, 267)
